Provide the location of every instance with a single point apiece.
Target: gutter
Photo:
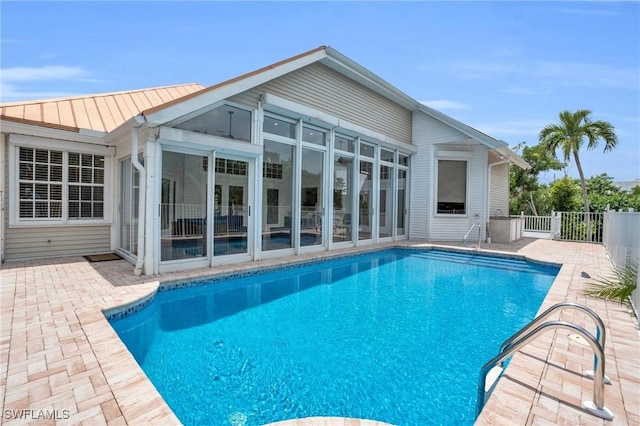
(142, 193)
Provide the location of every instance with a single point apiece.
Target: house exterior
(309, 154)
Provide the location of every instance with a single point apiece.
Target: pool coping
(122, 311)
(64, 355)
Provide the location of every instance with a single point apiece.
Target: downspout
(497, 163)
(142, 194)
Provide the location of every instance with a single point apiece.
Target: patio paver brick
(57, 350)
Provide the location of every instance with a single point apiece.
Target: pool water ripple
(393, 336)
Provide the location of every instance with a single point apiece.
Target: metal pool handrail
(595, 407)
(600, 330)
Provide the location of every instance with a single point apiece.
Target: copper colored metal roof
(102, 112)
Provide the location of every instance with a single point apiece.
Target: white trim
(182, 139)
(62, 145)
(228, 90)
(312, 116)
(23, 129)
(465, 156)
(13, 193)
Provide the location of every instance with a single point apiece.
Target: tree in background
(564, 195)
(603, 192)
(570, 135)
(527, 194)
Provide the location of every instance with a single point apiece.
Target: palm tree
(570, 134)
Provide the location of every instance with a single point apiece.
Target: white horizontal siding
(499, 190)
(23, 243)
(432, 136)
(420, 180)
(322, 88)
(447, 228)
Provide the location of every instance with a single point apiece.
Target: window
(86, 186)
(46, 178)
(344, 144)
(225, 121)
(279, 127)
(452, 187)
(314, 136)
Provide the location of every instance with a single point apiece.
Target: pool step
(480, 260)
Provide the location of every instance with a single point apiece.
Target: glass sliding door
(312, 198)
(183, 207)
(385, 208)
(277, 196)
(366, 197)
(342, 198)
(365, 209)
(231, 207)
(401, 229)
(129, 198)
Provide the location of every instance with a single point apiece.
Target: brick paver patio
(61, 363)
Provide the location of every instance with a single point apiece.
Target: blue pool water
(397, 336)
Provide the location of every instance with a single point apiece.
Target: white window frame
(451, 156)
(22, 141)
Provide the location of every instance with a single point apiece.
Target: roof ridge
(96, 95)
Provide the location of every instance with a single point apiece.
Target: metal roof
(101, 112)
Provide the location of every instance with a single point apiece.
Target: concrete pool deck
(61, 363)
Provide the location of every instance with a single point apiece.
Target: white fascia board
(514, 158)
(12, 127)
(172, 112)
(61, 144)
(463, 128)
(197, 141)
(292, 109)
(357, 72)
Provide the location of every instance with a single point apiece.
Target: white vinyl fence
(621, 238)
(565, 226)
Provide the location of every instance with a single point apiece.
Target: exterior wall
(24, 241)
(499, 191)
(432, 136)
(454, 228)
(320, 87)
(52, 241)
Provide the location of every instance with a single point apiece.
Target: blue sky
(505, 68)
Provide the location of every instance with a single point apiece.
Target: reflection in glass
(277, 196)
(402, 194)
(225, 121)
(311, 198)
(231, 213)
(385, 202)
(279, 127)
(342, 190)
(183, 209)
(365, 199)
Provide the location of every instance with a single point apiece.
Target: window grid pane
(39, 183)
(86, 186)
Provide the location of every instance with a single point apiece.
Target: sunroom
(318, 183)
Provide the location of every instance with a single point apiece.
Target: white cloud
(555, 73)
(49, 72)
(590, 12)
(22, 83)
(12, 93)
(444, 104)
(521, 128)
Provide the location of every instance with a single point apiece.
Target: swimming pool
(397, 336)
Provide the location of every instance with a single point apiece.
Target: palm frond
(619, 287)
